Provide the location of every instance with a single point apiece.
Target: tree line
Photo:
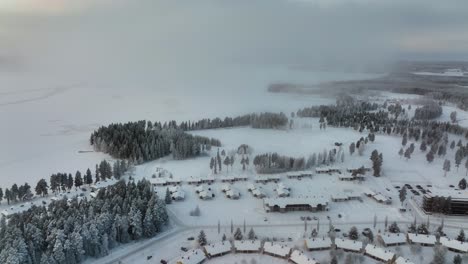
(69, 232)
(61, 182)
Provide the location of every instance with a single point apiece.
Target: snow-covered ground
(48, 118)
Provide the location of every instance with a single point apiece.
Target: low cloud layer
(124, 34)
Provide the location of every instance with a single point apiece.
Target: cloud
(131, 34)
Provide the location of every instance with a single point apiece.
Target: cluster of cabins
(197, 180)
(380, 254)
(273, 249)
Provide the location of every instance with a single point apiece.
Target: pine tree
(238, 234)
(251, 234)
(393, 228)
(408, 153)
(461, 236)
(202, 238)
(78, 179)
(430, 156)
(1, 195)
(402, 194)
(353, 233)
(168, 198)
(446, 167)
(400, 152)
(462, 184)
(352, 148)
(224, 237)
(423, 146)
(88, 177)
(457, 259)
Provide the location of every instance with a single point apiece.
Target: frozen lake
(48, 115)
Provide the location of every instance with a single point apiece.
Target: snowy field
(48, 118)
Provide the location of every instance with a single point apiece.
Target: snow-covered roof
(282, 186)
(158, 181)
(453, 194)
(391, 238)
(240, 177)
(200, 188)
(233, 193)
(93, 195)
(316, 243)
(205, 194)
(345, 176)
(178, 195)
(454, 244)
(174, 189)
(282, 192)
(267, 178)
(173, 180)
(227, 178)
(194, 256)
(379, 197)
(5, 213)
(282, 202)
(192, 179)
(369, 193)
(339, 196)
(300, 258)
(218, 248)
(402, 260)
(379, 253)
(247, 245)
(422, 239)
(225, 187)
(276, 249)
(348, 244)
(251, 186)
(258, 192)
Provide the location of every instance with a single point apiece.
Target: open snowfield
(49, 118)
(302, 142)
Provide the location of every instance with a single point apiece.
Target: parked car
(184, 249)
(190, 238)
(337, 230)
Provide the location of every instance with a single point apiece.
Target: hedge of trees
(69, 232)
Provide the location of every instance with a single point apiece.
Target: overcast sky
(76, 32)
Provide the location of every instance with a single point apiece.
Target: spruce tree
(168, 198)
(202, 238)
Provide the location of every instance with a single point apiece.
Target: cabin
(178, 195)
(298, 257)
(348, 245)
(298, 174)
(225, 187)
(158, 182)
(247, 246)
(339, 197)
(266, 179)
(174, 181)
(423, 240)
(382, 199)
(229, 179)
(315, 244)
(379, 254)
(233, 194)
(392, 239)
(346, 177)
(201, 188)
(193, 181)
(258, 193)
(276, 250)
(369, 193)
(218, 249)
(251, 187)
(327, 170)
(288, 204)
(206, 195)
(195, 256)
(454, 245)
